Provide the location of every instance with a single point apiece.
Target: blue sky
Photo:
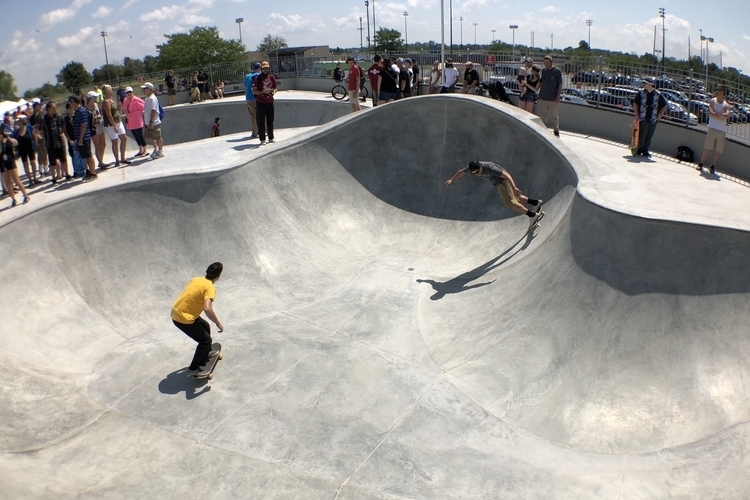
(36, 43)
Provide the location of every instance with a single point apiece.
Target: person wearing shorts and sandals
(9, 169)
(171, 89)
(24, 135)
(352, 82)
(718, 112)
(152, 122)
(503, 181)
(529, 87)
(113, 126)
(196, 298)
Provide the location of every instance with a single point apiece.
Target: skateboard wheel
(221, 356)
(210, 376)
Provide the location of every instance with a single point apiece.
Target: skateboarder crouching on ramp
(503, 181)
(197, 297)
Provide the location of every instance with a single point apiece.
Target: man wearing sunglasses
(503, 181)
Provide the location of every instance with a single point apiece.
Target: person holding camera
(9, 169)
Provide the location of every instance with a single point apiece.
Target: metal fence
(596, 80)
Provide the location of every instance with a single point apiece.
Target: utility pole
(701, 68)
(450, 8)
(589, 22)
(493, 36)
(462, 32)
(367, 9)
(551, 42)
(475, 33)
(663, 14)
(406, 31)
(361, 29)
(532, 41)
(513, 28)
(106, 57)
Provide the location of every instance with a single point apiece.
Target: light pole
(406, 31)
(106, 57)
(551, 42)
(701, 68)
(367, 9)
(361, 29)
(475, 34)
(707, 39)
(239, 22)
(374, 26)
(493, 36)
(513, 28)
(589, 22)
(462, 31)
(662, 14)
(450, 12)
(532, 41)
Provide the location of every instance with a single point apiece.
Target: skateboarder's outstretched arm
(455, 177)
(208, 308)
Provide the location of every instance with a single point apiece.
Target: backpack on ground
(684, 153)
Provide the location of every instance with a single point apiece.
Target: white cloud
(56, 16)
(128, 4)
(349, 20)
(295, 23)
(746, 37)
(169, 12)
(118, 28)
(195, 20)
(102, 12)
(549, 8)
(77, 39)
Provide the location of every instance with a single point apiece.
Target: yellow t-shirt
(189, 305)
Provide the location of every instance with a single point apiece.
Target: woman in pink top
(133, 106)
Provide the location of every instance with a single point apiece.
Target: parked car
(607, 100)
(512, 86)
(679, 114)
(572, 92)
(590, 77)
(573, 99)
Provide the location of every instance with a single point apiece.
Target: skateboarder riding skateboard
(198, 297)
(503, 181)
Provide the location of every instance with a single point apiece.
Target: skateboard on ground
(536, 223)
(634, 139)
(212, 362)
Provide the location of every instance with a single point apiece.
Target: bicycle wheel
(339, 92)
(363, 94)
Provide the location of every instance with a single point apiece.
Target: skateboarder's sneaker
(699, 168)
(200, 372)
(557, 133)
(712, 170)
(213, 353)
(538, 208)
(192, 372)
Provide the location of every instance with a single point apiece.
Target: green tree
(583, 45)
(74, 76)
(8, 87)
(388, 40)
(108, 72)
(201, 46)
(132, 67)
(271, 43)
(152, 64)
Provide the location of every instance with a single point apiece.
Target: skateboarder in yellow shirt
(198, 297)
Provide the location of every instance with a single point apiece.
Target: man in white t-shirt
(151, 121)
(451, 77)
(718, 112)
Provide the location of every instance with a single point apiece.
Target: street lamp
(493, 35)
(450, 12)
(462, 31)
(707, 39)
(475, 33)
(106, 57)
(513, 28)
(239, 22)
(662, 14)
(589, 22)
(361, 29)
(406, 31)
(367, 9)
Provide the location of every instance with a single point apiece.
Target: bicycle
(339, 92)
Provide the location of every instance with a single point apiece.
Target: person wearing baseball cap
(649, 107)
(264, 87)
(152, 122)
(250, 100)
(471, 79)
(133, 107)
(82, 131)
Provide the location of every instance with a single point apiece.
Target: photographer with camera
(9, 169)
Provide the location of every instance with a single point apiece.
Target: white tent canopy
(6, 106)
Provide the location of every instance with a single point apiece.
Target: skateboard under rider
(211, 363)
(536, 223)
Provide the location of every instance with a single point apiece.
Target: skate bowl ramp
(386, 337)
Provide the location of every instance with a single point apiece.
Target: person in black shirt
(649, 106)
(387, 82)
(203, 84)
(471, 79)
(171, 89)
(9, 169)
(503, 181)
(54, 135)
(337, 73)
(404, 79)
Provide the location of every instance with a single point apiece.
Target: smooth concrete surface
(386, 337)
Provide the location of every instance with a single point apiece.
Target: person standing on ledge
(264, 89)
(718, 111)
(649, 107)
(503, 181)
(549, 94)
(198, 297)
(252, 103)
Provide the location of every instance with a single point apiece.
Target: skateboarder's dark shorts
(200, 331)
(509, 197)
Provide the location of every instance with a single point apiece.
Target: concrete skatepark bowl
(386, 337)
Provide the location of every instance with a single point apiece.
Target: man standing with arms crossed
(718, 112)
(198, 297)
(252, 102)
(549, 94)
(352, 82)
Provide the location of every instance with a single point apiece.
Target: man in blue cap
(649, 106)
(252, 104)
